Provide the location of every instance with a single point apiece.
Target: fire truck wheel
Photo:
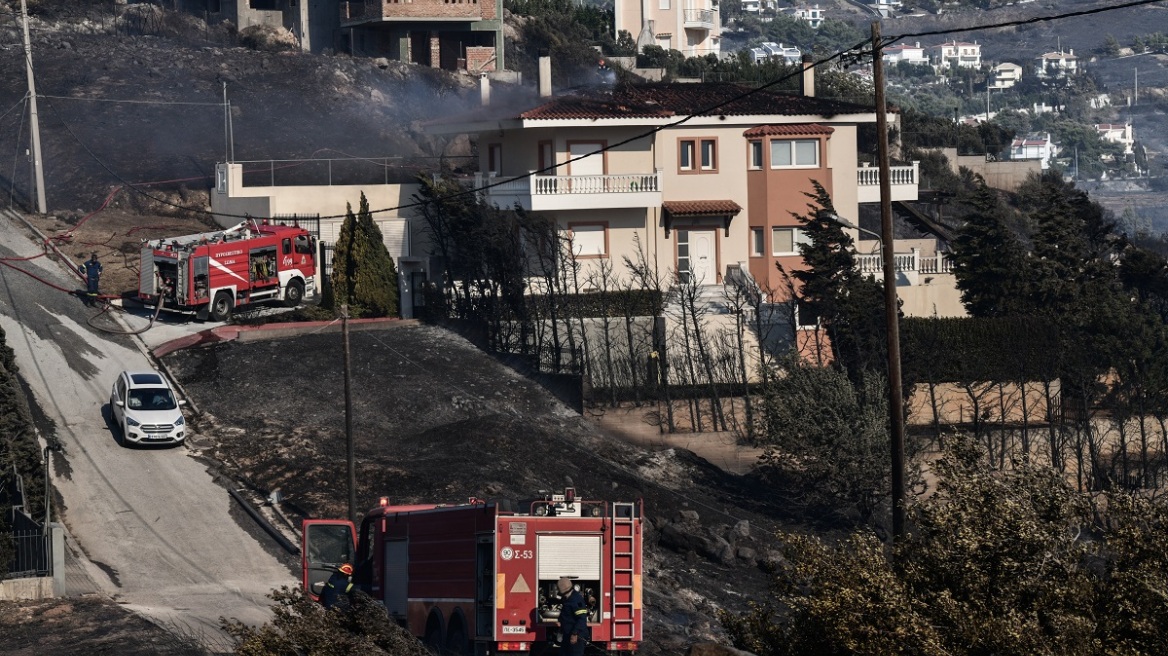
(221, 306)
(456, 642)
(294, 293)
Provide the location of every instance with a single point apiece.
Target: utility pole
(1136, 89)
(34, 123)
(226, 129)
(349, 417)
(891, 307)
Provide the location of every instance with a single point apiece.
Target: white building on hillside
(885, 7)
(1006, 75)
(911, 54)
(1120, 133)
(956, 54)
(813, 16)
(776, 51)
(1035, 146)
(1057, 64)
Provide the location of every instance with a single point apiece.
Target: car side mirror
(120, 403)
(182, 401)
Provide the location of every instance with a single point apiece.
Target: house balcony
(699, 19)
(904, 182)
(360, 12)
(910, 266)
(539, 193)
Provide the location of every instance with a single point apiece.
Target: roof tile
(795, 129)
(701, 207)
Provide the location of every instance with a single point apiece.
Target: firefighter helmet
(346, 569)
(564, 585)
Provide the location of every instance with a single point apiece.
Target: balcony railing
(906, 263)
(903, 181)
(700, 18)
(550, 192)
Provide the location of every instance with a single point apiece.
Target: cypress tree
(364, 274)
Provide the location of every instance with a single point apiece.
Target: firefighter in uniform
(337, 588)
(92, 271)
(574, 631)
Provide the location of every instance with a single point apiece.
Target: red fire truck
(480, 578)
(211, 273)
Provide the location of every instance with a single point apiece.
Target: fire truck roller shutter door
(574, 556)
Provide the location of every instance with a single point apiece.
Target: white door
(702, 262)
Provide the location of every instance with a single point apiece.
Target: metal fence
(33, 555)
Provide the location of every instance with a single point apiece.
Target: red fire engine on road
(211, 273)
(480, 578)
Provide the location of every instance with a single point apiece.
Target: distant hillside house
(437, 33)
(813, 16)
(1034, 146)
(1057, 64)
(1120, 133)
(775, 51)
(693, 27)
(1006, 75)
(316, 25)
(755, 6)
(885, 7)
(956, 54)
(913, 54)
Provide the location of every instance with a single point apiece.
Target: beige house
(692, 27)
(706, 197)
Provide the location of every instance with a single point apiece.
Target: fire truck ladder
(623, 575)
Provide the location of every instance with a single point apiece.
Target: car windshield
(151, 399)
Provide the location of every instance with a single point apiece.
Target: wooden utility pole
(34, 124)
(891, 306)
(349, 450)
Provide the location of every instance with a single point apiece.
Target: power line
(709, 110)
(132, 102)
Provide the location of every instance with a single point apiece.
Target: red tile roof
(795, 129)
(584, 108)
(701, 207)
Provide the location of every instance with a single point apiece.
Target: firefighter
(338, 587)
(92, 272)
(574, 631)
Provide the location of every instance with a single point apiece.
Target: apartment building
(693, 27)
(1057, 64)
(813, 16)
(1006, 75)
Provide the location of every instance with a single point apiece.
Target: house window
(785, 241)
(794, 153)
(709, 155)
(686, 155)
(756, 246)
(756, 154)
(495, 159)
(589, 240)
(546, 157)
(806, 315)
(663, 4)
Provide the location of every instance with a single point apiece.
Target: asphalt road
(155, 528)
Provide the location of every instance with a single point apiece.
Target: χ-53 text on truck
(211, 273)
(479, 578)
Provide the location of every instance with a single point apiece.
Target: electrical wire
(850, 52)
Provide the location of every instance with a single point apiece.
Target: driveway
(157, 532)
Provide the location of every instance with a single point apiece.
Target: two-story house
(1034, 146)
(448, 34)
(910, 54)
(693, 27)
(704, 195)
(956, 54)
(1006, 75)
(770, 50)
(813, 16)
(1057, 64)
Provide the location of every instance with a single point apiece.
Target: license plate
(515, 629)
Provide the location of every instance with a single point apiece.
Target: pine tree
(989, 260)
(364, 275)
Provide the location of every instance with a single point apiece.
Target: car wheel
(294, 294)
(221, 306)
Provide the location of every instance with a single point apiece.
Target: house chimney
(545, 75)
(807, 83)
(485, 89)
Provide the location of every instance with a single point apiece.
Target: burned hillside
(436, 420)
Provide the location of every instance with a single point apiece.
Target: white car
(146, 409)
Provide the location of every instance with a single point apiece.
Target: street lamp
(53, 445)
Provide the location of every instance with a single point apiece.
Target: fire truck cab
(209, 274)
(479, 578)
